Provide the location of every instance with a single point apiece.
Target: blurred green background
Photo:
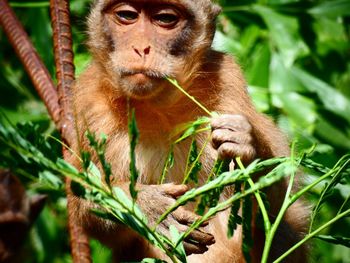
(296, 58)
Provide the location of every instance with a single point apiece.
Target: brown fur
(17, 214)
(100, 96)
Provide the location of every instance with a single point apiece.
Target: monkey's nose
(142, 53)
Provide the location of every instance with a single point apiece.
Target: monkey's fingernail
(211, 240)
(232, 166)
(205, 223)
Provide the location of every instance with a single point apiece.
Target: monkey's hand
(154, 200)
(232, 137)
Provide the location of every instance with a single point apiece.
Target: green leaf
(225, 44)
(333, 9)
(152, 260)
(194, 165)
(301, 110)
(337, 240)
(234, 220)
(247, 208)
(190, 129)
(175, 237)
(105, 215)
(86, 159)
(284, 33)
(100, 148)
(212, 198)
(326, 130)
(66, 167)
(332, 100)
(133, 137)
(52, 180)
(339, 171)
(125, 200)
(259, 68)
(78, 189)
(94, 175)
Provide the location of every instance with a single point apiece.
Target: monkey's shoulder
(221, 61)
(224, 70)
(89, 78)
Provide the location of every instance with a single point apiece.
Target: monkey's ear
(216, 10)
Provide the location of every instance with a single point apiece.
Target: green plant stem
(29, 4)
(336, 169)
(267, 223)
(311, 235)
(343, 205)
(176, 84)
(297, 195)
(270, 235)
(197, 132)
(284, 208)
(285, 205)
(187, 173)
(166, 165)
(65, 146)
(289, 201)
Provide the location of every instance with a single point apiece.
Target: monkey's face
(141, 42)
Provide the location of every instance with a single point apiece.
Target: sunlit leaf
(344, 241)
(175, 236)
(334, 8)
(333, 100)
(284, 32)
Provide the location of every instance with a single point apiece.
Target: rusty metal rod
(29, 57)
(62, 38)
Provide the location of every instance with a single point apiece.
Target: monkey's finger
(233, 122)
(202, 237)
(174, 190)
(184, 216)
(231, 150)
(194, 248)
(220, 136)
(205, 223)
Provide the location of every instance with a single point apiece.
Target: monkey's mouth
(142, 73)
(141, 83)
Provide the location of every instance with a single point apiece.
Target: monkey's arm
(242, 131)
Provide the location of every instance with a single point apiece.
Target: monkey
(17, 214)
(135, 46)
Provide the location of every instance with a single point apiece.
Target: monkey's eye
(127, 16)
(166, 19)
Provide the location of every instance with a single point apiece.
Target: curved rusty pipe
(33, 65)
(62, 38)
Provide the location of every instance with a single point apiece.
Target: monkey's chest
(154, 160)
